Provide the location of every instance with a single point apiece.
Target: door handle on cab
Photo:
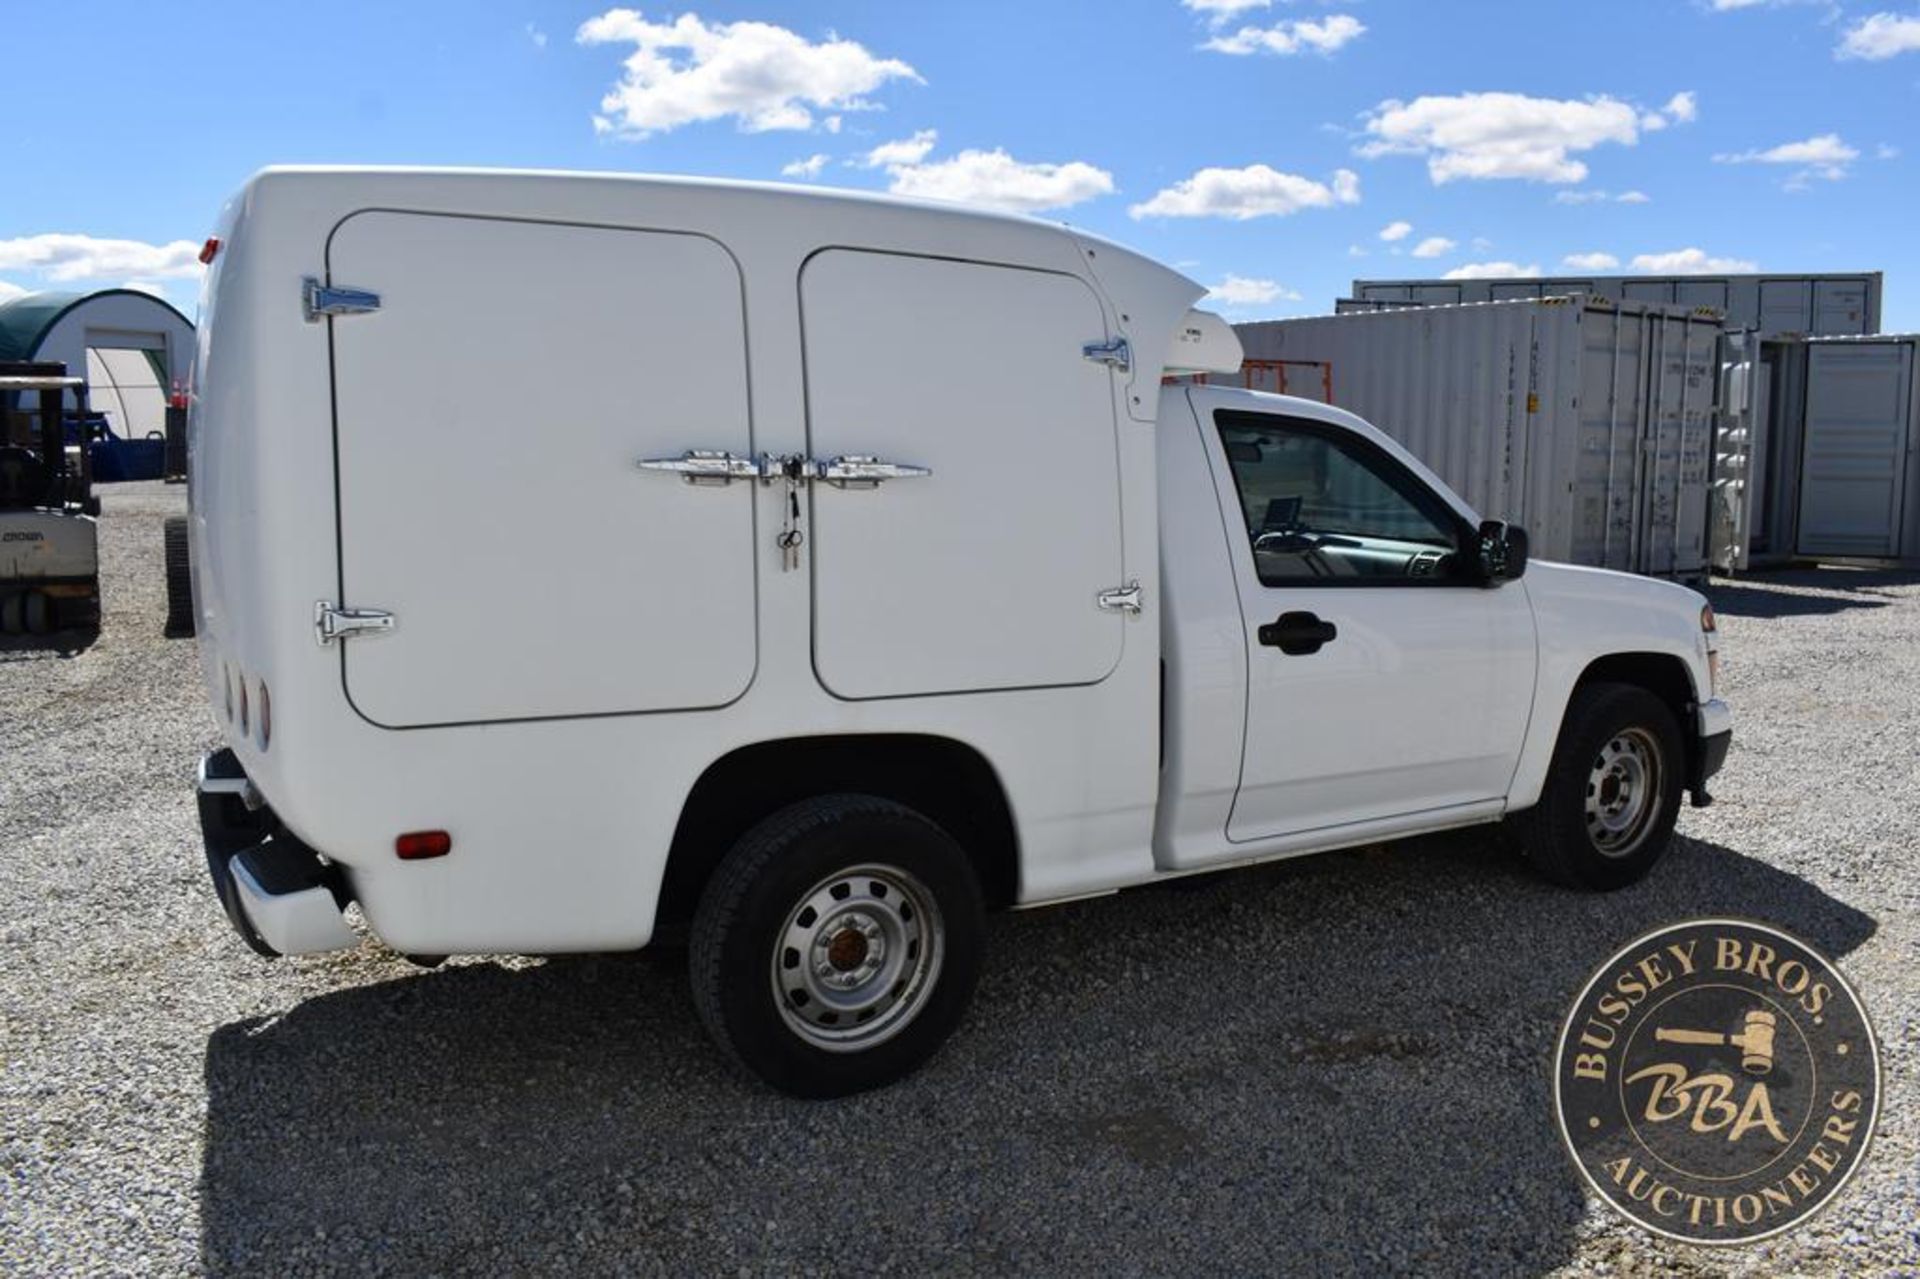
(1297, 634)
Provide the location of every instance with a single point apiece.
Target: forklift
(49, 544)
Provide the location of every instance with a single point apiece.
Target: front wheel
(1612, 793)
(837, 945)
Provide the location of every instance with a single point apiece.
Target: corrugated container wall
(1860, 450)
(1820, 305)
(1586, 421)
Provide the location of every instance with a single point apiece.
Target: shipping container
(1588, 421)
(1833, 427)
(1771, 305)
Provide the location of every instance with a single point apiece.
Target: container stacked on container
(1586, 420)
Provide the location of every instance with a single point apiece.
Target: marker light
(420, 844)
(209, 250)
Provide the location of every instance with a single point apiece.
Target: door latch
(708, 466)
(1122, 599)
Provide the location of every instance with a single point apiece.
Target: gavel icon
(1755, 1040)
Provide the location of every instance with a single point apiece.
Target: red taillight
(415, 845)
(209, 250)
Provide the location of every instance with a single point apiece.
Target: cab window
(1324, 507)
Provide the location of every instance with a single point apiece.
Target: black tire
(179, 578)
(757, 903)
(1605, 725)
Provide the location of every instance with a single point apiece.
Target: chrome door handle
(861, 471)
(705, 466)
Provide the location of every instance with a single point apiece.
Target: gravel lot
(1337, 1064)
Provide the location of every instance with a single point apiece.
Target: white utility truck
(853, 571)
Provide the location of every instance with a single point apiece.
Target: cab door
(489, 418)
(1381, 683)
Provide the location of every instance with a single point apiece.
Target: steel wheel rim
(1624, 792)
(857, 958)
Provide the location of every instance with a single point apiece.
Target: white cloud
(902, 150)
(1590, 262)
(1881, 36)
(537, 36)
(1434, 246)
(807, 168)
(996, 180)
(1826, 157)
(1239, 290)
(64, 258)
(763, 76)
(1356, 251)
(1493, 271)
(1253, 192)
(1691, 262)
(1500, 135)
(1393, 231)
(1683, 108)
(1593, 196)
(1305, 35)
(8, 292)
(1222, 10)
(1886, 151)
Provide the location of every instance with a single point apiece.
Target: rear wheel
(837, 945)
(1612, 793)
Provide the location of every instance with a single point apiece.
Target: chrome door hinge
(1113, 352)
(318, 300)
(1121, 599)
(331, 623)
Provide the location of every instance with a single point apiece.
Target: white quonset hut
(128, 345)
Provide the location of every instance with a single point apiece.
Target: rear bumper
(279, 894)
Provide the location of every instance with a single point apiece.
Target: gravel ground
(1338, 1064)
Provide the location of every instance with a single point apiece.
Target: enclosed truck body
(848, 570)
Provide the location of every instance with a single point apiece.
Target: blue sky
(1274, 150)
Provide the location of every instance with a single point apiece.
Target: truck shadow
(1336, 1065)
(67, 643)
(1841, 589)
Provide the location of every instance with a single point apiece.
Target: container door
(1840, 307)
(1858, 407)
(489, 418)
(986, 573)
(1678, 446)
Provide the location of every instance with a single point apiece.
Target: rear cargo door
(489, 417)
(986, 573)
(1858, 404)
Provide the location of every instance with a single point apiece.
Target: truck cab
(862, 573)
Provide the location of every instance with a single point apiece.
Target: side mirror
(1501, 554)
